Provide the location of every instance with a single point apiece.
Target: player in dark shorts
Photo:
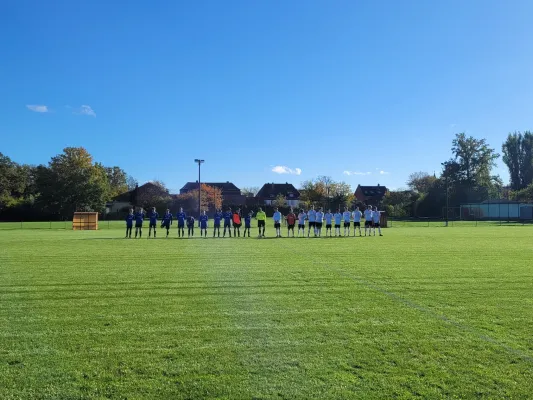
(139, 218)
(228, 215)
(357, 220)
(166, 221)
(181, 217)
(368, 220)
(329, 220)
(237, 223)
(129, 223)
(247, 224)
(219, 216)
(190, 226)
(291, 221)
(153, 222)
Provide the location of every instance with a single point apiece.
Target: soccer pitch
(420, 312)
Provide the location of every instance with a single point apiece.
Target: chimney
(378, 184)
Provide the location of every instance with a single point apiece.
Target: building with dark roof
(370, 195)
(268, 193)
(139, 196)
(231, 194)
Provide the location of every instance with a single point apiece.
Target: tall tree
(472, 160)
(279, 201)
(131, 182)
(117, 179)
(72, 183)
(421, 182)
(211, 197)
(518, 156)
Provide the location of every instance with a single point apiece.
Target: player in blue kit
(190, 226)
(216, 222)
(329, 218)
(338, 219)
(247, 224)
(227, 222)
(153, 222)
(181, 217)
(167, 221)
(139, 218)
(203, 224)
(129, 223)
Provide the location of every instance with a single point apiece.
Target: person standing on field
(247, 224)
(277, 222)
(190, 226)
(357, 221)
(261, 221)
(203, 224)
(311, 217)
(301, 222)
(346, 215)
(139, 218)
(167, 221)
(228, 215)
(216, 222)
(338, 219)
(237, 223)
(368, 220)
(319, 219)
(153, 222)
(291, 221)
(376, 219)
(181, 217)
(129, 223)
(329, 219)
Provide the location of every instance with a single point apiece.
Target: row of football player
(314, 218)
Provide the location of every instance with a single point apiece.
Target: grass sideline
(431, 313)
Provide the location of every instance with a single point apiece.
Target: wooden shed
(83, 221)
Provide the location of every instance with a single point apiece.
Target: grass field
(420, 312)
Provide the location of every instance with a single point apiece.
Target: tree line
(467, 177)
(73, 181)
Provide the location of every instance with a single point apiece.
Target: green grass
(420, 312)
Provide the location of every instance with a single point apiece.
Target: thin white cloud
(350, 173)
(85, 110)
(383, 172)
(281, 169)
(37, 108)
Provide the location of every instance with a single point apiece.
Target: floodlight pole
(199, 162)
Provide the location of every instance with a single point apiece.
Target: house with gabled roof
(268, 193)
(370, 195)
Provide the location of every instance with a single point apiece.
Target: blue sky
(318, 87)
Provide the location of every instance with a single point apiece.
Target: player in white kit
(319, 219)
(368, 220)
(357, 220)
(311, 217)
(346, 215)
(301, 222)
